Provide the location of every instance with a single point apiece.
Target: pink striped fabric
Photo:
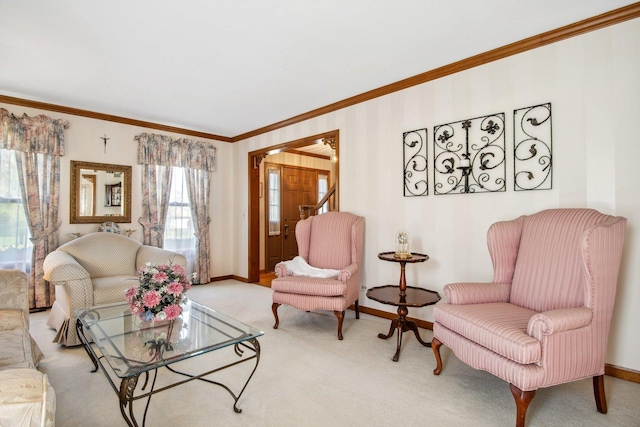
(476, 293)
(310, 286)
(499, 327)
(564, 264)
(503, 239)
(548, 270)
(311, 302)
(331, 240)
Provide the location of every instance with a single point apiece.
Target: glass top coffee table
(125, 347)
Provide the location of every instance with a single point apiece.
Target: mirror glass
(100, 192)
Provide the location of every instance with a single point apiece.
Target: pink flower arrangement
(161, 290)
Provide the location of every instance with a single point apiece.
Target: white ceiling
(230, 67)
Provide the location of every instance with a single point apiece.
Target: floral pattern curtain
(156, 182)
(198, 187)
(198, 160)
(38, 143)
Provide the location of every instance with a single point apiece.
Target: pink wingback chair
(333, 240)
(544, 320)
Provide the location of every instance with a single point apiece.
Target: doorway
(287, 188)
(256, 249)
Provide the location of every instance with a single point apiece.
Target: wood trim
(109, 118)
(622, 373)
(227, 277)
(600, 21)
(253, 172)
(305, 153)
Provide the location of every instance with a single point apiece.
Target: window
(274, 201)
(179, 233)
(15, 243)
(323, 187)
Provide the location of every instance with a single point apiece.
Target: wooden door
(298, 186)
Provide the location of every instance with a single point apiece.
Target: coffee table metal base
(128, 385)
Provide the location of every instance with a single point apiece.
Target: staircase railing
(308, 210)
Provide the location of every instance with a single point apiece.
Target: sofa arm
(14, 290)
(477, 293)
(59, 266)
(151, 254)
(26, 398)
(346, 273)
(561, 320)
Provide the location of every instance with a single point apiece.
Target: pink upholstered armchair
(544, 320)
(333, 240)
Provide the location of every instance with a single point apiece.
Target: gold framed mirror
(100, 192)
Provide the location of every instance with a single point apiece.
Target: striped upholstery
(331, 240)
(560, 269)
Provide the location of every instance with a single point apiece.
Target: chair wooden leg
(357, 304)
(274, 308)
(435, 346)
(598, 391)
(523, 398)
(340, 316)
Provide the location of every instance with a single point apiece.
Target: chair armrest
(59, 266)
(477, 293)
(561, 320)
(281, 270)
(151, 254)
(346, 273)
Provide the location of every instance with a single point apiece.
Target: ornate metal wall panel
(532, 148)
(414, 157)
(469, 156)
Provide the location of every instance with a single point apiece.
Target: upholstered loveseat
(26, 396)
(95, 269)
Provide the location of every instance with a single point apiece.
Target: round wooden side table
(403, 296)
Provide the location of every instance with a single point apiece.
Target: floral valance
(40, 134)
(165, 151)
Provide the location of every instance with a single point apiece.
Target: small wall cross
(105, 139)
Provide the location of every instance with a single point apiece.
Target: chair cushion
(500, 327)
(302, 285)
(112, 289)
(104, 254)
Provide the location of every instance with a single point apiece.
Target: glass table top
(131, 345)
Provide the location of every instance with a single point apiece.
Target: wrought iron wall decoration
(469, 156)
(414, 157)
(532, 165)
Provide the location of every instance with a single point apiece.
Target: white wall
(82, 142)
(592, 83)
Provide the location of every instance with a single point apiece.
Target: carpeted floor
(306, 376)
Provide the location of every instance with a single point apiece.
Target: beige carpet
(306, 376)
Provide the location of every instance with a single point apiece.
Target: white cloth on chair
(299, 267)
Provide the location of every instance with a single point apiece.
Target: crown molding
(600, 21)
(590, 24)
(109, 118)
